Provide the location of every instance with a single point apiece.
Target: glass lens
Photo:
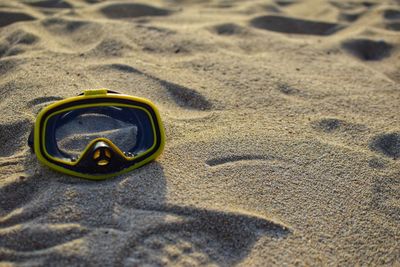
(69, 133)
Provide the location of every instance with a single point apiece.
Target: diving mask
(98, 134)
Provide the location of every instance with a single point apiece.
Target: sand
(282, 121)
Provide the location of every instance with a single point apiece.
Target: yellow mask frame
(95, 98)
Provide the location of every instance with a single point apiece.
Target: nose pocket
(102, 154)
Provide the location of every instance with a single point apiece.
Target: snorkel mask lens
(98, 134)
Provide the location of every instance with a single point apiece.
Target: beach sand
(282, 121)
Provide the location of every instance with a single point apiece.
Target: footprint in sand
(350, 11)
(123, 68)
(350, 16)
(67, 27)
(186, 97)
(295, 25)
(329, 125)
(351, 5)
(332, 125)
(70, 34)
(386, 196)
(9, 17)
(284, 3)
(346, 132)
(153, 40)
(17, 42)
(7, 65)
(387, 144)
(93, 1)
(22, 37)
(130, 10)
(236, 158)
(391, 14)
(48, 3)
(229, 29)
(110, 48)
(368, 49)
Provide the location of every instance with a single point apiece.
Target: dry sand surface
(282, 121)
